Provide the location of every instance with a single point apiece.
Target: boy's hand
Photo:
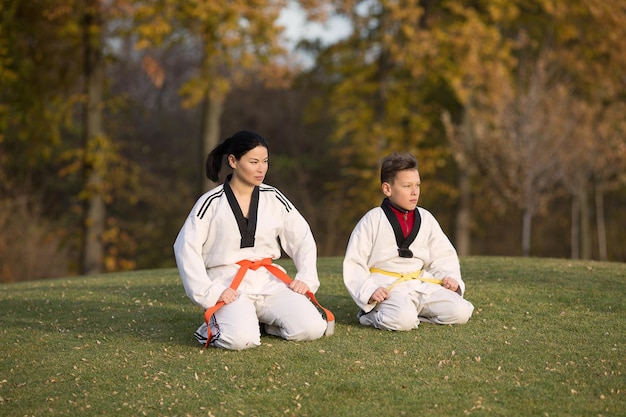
(380, 295)
(299, 286)
(450, 283)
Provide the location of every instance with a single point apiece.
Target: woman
(240, 226)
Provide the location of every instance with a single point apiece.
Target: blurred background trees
(515, 110)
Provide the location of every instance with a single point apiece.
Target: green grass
(547, 339)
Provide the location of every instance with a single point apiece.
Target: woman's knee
(312, 329)
(236, 326)
(238, 338)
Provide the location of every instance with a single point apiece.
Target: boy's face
(404, 190)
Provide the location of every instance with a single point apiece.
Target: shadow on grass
(109, 311)
(159, 313)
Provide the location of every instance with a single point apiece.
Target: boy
(400, 268)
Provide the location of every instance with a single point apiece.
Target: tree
(94, 140)
(595, 30)
(104, 171)
(476, 62)
(239, 42)
(36, 103)
(381, 99)
(51, 50)
(560, 91)
(520, 157)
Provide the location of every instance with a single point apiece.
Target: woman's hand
(299, 286)
(380, 295)
(228, 296)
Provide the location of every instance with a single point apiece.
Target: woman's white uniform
(373, 244)
(216, 236)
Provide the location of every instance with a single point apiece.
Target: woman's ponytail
(214, 160)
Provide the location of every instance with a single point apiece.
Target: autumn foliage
(108, 108)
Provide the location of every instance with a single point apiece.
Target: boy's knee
(402, 321)
(462, 313)
(406, 321)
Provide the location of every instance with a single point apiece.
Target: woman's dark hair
(394, 163)
(237, 145)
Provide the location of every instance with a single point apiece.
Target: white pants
(286, 314)
(405, 310)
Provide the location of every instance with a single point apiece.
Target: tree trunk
(92, 261)
(464, 214)
(600, 224)
(585, 222)
(575, 230)
(526, 231)
(212, 110)
(462, 143)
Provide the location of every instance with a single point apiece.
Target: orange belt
(278, 273)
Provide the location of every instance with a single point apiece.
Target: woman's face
(251, 168)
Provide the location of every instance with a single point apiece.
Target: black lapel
(253, 213)
(247, 227)
(417, 223)
(397, 228)
(395, 224)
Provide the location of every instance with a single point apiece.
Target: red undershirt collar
(406, 219)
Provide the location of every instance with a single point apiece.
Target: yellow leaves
(99, 148)
(73, 163)
(196, 90)
(240, 41)
(153, 32)
(7, 75)
(502, 10)
(142, 44)
(120, 248)
(408, 30)
(203, 10)
(55, 12)
(193, 91)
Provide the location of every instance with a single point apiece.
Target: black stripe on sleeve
(279, 196)
(205, 206)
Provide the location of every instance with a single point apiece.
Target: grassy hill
(547, 339)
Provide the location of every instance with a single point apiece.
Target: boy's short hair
(394, 163)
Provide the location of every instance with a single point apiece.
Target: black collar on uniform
(403, 244)
(247, 227)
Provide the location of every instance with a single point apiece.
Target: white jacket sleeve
(298, 243)
(188, 253)
(443, 260)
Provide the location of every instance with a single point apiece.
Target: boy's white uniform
(216, 236)
(373, 244)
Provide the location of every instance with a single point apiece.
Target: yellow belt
(402, 277)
